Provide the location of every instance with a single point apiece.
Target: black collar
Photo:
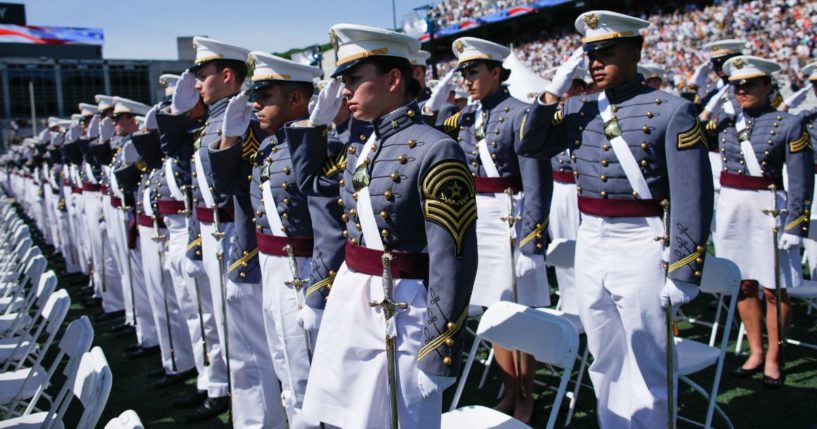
(499, 95)
(625, 91)
(396, 121)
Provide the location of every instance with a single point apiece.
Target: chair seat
(33, 421)
(694, 356)
(807, 290)
(9, 345)
(10, 383)
(6, 320)
(477, 416)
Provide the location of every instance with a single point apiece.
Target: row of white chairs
(32, 312)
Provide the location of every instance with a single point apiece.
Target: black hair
(384, 64)
(239, 68)
(305, 88)
(504, 74)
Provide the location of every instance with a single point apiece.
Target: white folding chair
(721, 277)
(127, 420)
(20, 300)
(13, 324)
(549, 339)
(29, 383)
(90, 382)
(15, 351)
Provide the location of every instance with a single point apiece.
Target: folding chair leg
(487, 364)
(575, 394)
(739, 343)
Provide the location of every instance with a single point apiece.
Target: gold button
(635, 194)
(493, 144)
(581, 128)
(345, 234)
(394, 176)
(340, 201)
(451, 326)
(614, 109)
(358, 226)
(242, 275)
(258, 213)
(646, 129)
(362, 138)
(649, 114)
(412, 143)
(285, 185)
(699, 260)
(493, 156)
(603, 178)
(604, 162)
(344, 217)
(410, 113)
(604, 194)
(384, 233)
(644, 163)
(402, 158)
(581, 114)
(697, 274)
(287, 170)
(352, 212)
(447, 361)
(354, 196)
(384, 214)
(605, 147)
(644, 146)
(351, 149)
(449, 342)
(388, 194)
(658, 101)
(577, 142)
(573, 157)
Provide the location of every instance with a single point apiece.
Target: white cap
(354, 43)
(76, 117)
(602, 28)
(169, 81)
(124, 105)
(810, 71)
(211, 49)
(420, 58)
(87, 109)
(721, 48)
(650, 71)
(103, 102)
(267, 68)
(745, 67)
(468, 49)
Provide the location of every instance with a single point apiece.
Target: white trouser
(76, 225)
(618, 280)
(285, 337)
(165, 305)
(113, 297)
(563, 223)
(348, 379)
(192, 290)
(117, 235)
(256, 397)
(146, 334)
(49, 208)
(92, 217)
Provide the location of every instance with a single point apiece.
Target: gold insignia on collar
(459, 46)
(591, 20)
(250, 65)
(333, 39)
(163, 82)
(739, 63)
(715, 48)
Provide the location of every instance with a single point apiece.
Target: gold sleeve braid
(452, 123)
(334, 165)
(800, 143)
(441, 339)
(448, 189)
(250, 145)
(242, 261)
(691, 137)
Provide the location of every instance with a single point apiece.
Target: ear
(295, 98)
(227, 75)
(395, 77)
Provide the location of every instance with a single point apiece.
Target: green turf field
(748, 403)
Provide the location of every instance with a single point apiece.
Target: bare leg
(507, 366)
(524, 405)
(751, 315)
(773, 362)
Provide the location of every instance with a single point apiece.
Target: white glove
(193, 268)
(564, 75)
(93, 127)
(328, 105)
(309, 318)
(795, 99)
(676, 292)
(717, 100)
(74, 133)
(185, 96)
(129, 153)
(237, 116)
(524, 264)
(439, 95)
(788, 241)
(106, 129)
(430, 383)
(701, 75)
(150, 119)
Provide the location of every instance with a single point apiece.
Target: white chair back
(127, 420)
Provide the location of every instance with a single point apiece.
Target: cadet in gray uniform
(407, 191)
(635, 147)
(486, 130)
(755, 143)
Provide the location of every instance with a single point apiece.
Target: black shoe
(159, 373)
(210, 408)
(92, 302)
(144, 352)
(132, 347)
(741, 372)
(194, 400)
(170, 380)
(105, 317)
(774, 383)
(121, 327)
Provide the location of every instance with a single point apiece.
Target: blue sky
(147, 29)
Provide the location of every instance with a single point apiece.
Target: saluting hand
(237, 116)
(93, 127)
(798, 97)
(439, 95)
(717, 101)
(701, 74)
(185, 96)
(74, 133)
(564, 74)
(328, 105)
(106, 129)
(150, 119)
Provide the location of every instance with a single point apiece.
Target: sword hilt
(156, 236)
(510, 218)
(665, 221)
(296, 281)
(388, 304)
